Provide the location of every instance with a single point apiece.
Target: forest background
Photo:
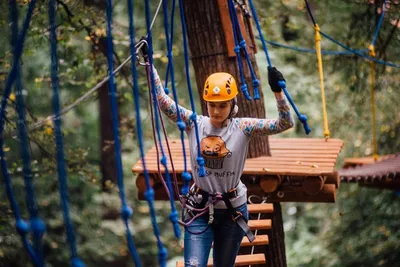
(360, 229)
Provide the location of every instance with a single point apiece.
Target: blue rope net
(242, 44)
(23, 227)
(282, 84)
(126, 210)
(193, 117)
(61, 166)
(149, 194)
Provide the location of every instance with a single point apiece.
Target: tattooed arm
(253, 126)
(168, 106)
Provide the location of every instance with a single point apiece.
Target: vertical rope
(379, 23)
(193, 116)
(164, 161)
(243, 86)
(242, 44)
(321, 79)
(21, 225)
(61, 166)
(166, 90)
(37, 225)
(149, 194)
(282, 84)
(373, 111)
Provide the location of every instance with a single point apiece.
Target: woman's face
(218, 111)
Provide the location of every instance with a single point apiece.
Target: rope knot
(166, 90)
(38, 227)
(200, 161)
(371, 49)
(149, 194)
(77, 262)
(163, 160)
(126, 212)
(193, 116)
(22, 227)
(181, 125)
(236, 49)
(186, 176)
(303, 118)
(256, 83)
(242, 44)
(170, 54)
(173, 216)
(243, 88)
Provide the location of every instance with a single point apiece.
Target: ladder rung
(260, 208)
(260, 224)
(260, 240)
(241, 260)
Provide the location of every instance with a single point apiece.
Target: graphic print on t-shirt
(213, 149)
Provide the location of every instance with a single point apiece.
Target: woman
(224, 144)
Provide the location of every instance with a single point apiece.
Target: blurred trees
(360, 229)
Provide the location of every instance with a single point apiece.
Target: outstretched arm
(168, 106)
(253, 126)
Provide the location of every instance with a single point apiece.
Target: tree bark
(209, 54)
(107, 149)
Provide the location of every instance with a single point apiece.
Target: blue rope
(242, 44)
(243, 86)
(126, 210)
(193, 116)
(21, 225)
(174, 214)
(309, 50)
(379, 23)
(390, 64)
(149, 194)
(61, 166)
(37, 225)
(358, 53)
(166, 90)
(282, 84)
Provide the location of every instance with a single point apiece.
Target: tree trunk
(107, 149)
(209, 54)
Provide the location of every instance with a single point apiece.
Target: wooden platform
(382, 173)
(261, 240)
(300, 170)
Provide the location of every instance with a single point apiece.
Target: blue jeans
(226, 234)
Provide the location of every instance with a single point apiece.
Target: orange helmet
(220, 86)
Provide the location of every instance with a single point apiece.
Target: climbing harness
(282, 84)
(209, 200)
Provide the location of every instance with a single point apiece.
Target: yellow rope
(373, 79)
(321, 79)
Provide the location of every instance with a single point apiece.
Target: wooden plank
(260, 208)
(260, 224)
(260, 240)
(241, 260)
(352, 162)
